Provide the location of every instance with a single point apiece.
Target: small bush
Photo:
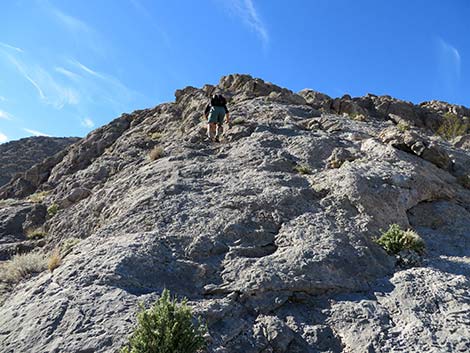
(155, 136)
(53, 209)
(395, 240)
(21, 266)
(452, 127)
(356, 116)
(302, 169)
(167, 327)
(54, 260)
(156, 153)
(464, 180)
(238, 121)
(68, 245)
(35, 233)
(38, 197)
(402, 127)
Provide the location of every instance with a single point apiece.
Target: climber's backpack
(218, 101)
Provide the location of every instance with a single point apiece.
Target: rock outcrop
(18, 156)
(274, 257)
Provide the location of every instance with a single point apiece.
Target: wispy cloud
(88, 123)
(449, 66)
(104, 86)
(71, 75)
(6, 116)
(48, 88)
(11, 47)
(3, 99)
(151, 20)
(77, 29)
(246, 11)
(35, 132)
(70, 22)
(3, 138)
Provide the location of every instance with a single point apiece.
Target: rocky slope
(274, 260)
(19, 156)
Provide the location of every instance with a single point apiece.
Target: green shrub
(68, 245)
(238, 121)
(53, 209)
(395, 240)
(464, 180)
(155, 136)
(452, 127)
(302, 169)
(402, 127)
(167, 327)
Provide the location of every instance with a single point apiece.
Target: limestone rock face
(269, 234)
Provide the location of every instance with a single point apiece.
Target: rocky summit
(271, 234)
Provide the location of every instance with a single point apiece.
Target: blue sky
(67, 67)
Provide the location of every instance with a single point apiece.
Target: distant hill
(19, 156)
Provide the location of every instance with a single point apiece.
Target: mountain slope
(19, 156)
(270, 234)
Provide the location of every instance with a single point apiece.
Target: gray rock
(272, 259)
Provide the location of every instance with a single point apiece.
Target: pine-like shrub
(167, 327)
(395, 240)
(452, 127)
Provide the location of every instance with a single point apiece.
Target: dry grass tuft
(38, 197)
(35, 233)
(156, 153)
(21, 266)
(54, 260)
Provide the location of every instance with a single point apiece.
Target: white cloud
(67, 73)
(35, 132)
(4, 115)
(3, 138)
(449, 67)
(86, 69)
(88, 123)
(70, 22)
(104, 87)
(245, 9)
(11, 47)
(49, 89)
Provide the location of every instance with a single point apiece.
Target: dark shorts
(216, 115)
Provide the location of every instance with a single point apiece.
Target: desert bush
(464, 180)
(452, 127)
(35, 233)
(53, 209)
(21, 266)
(167, 327)
(238, 121)
(395, 240)
(402, 127)
(38, 197)
(54, 260)
(155, 136)
(302, 169)
(356, 116)
(68, 245)
(156, 153)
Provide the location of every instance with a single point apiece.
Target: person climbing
(215, 112)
